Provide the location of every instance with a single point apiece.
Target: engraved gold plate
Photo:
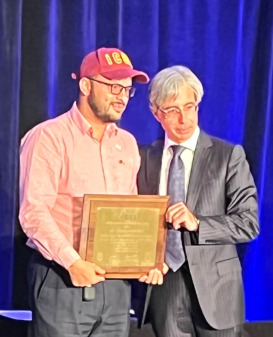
(125, 237)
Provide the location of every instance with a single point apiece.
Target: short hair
(166, 84)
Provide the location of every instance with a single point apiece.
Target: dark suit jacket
(222, 195)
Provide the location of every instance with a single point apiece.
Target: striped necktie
(174, 255)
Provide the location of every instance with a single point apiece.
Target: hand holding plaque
(124, 235)
(85, 274)
(155, 276)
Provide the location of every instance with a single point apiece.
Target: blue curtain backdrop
(227, 43)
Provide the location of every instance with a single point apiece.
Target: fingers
(171, 213)
(81, 283)
(143, 278)
(97, 279)
(84, 273)
(178, 214)
(178, 223)
(179, 218)
(150, 276)
(96, 274)
(156, 276)
(160, 279)
(174, 206)
(76, 283)
(99, 270)
(85, 282)
(165, 268)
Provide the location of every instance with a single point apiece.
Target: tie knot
(177, 150)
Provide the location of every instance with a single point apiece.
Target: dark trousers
(174, 310)
(59, 310)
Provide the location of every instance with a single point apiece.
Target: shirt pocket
(229, 266)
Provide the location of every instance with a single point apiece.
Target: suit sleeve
(240, 224)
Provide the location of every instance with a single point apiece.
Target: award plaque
(124, 234)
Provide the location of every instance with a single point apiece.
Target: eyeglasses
(174, 112)
(116, 89)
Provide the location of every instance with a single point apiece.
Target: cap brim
(138, 76)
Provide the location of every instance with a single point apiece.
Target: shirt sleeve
(40, 169)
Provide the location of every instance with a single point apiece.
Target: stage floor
(18, 328)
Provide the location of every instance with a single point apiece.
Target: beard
(100, 111)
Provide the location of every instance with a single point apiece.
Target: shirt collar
(85, 126)
(189, 143)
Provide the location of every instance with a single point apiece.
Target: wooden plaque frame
(91, 204)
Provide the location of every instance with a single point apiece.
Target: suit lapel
(199, 167)
(154, 159)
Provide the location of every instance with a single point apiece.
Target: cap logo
(108, 59)
(118, 58)
(126, 59)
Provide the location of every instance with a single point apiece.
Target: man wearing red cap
(80, 152)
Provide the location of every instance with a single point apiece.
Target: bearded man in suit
(213, 208)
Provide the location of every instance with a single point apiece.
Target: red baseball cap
(111, 63)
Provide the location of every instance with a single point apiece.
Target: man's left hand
(180, 216)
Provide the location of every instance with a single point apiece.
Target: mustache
(121, 103)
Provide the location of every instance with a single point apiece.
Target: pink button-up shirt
(60, 161)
